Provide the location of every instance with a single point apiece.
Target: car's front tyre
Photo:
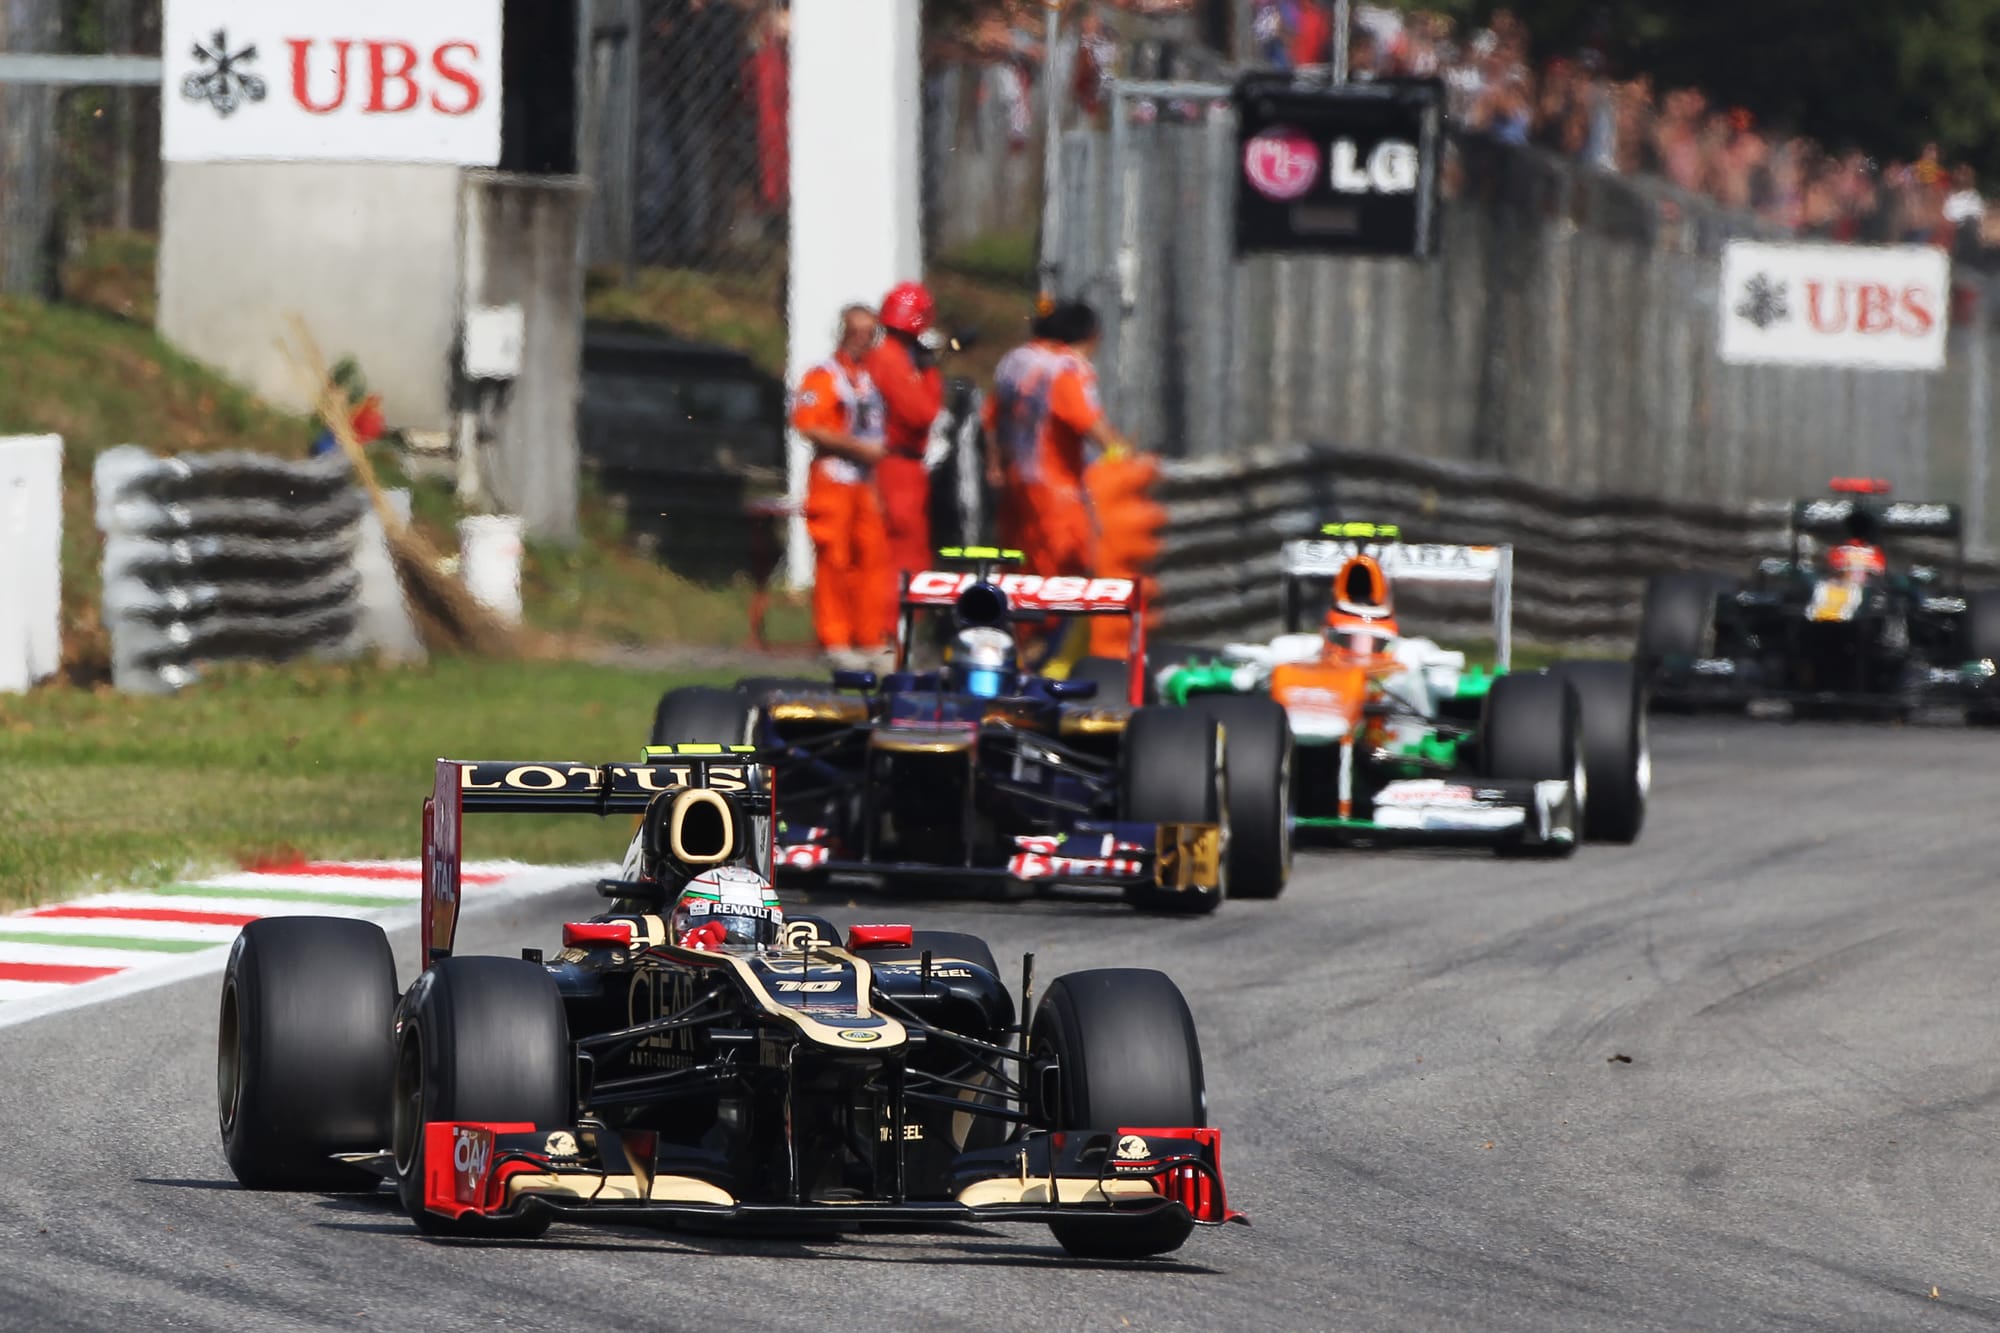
(1126, 1053)
(304, 1052)
(485, 1039)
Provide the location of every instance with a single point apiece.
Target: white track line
(25, 1001)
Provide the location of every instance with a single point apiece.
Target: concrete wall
(522, 247)
(366, 254)
(30, 560)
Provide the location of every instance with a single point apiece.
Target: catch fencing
(238, 555)
(79, 151)
(1567, 333)
(1581, 559)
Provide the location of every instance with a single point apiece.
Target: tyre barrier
(1581, 561)
(230, 555)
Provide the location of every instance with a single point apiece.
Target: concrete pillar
(856, 126)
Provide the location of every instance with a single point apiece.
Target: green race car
(1395, 738)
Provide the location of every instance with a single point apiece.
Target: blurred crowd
(1574, 104)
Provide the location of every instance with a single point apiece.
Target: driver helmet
(1859, 555)
(982, 660)
(727, 909)
(1362, 620)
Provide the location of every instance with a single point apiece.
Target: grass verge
(980, 289)
(262, 764)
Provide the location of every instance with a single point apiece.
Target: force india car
(1401, 740)
(946, 773)
(1834, 624)
(804, 1080)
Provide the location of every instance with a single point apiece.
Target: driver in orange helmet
(1362, 620)
(905, 373)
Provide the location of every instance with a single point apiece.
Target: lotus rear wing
(1419, 563)
(556, 787)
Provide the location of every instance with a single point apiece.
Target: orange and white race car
(1400, 738)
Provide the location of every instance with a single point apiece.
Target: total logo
(471, 1153)
(1283, 163)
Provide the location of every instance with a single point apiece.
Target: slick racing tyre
(304, 1053)
(1677, 623)
(1126, 1053)
(1532, 730)
(486, 1039)
(1113, 678)
(1677, 619)
(1172, 773)
(757, 687)
(1617, 754)
(1257, 756)
(1979, 631)
(701, 715)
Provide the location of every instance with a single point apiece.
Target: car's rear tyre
(304, 1053)
(1979, 639)
(1127, 1056)
(486, 1040)
(1617, 753)
(942, 944)
(702, 715)
(759, 686)
(1257, 754)
(1172, 772)
(1113, 677)
(1531, 729)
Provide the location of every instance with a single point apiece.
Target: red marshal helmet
(908, 308)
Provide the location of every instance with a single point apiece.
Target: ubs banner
(1350, 170)
(304, 80)
(1872, 306)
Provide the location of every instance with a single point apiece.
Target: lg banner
(1338, 170)
(360, 81)
(1878, 307)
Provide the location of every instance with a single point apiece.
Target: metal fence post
(1978, 421)
(1111, 353)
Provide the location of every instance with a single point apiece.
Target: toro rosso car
(1836, 624)
(1399, 739)
(962, 769)
(694, 1056)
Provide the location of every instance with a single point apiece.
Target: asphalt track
(1420, 1062)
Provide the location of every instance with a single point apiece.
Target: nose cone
(1323, 701)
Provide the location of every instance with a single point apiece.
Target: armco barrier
(229, 555)
(1581, 561)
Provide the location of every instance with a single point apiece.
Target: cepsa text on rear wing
(1052, 595)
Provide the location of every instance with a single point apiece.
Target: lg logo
(1391, 168)
(1282, 163)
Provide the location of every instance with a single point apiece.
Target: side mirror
(854, 680)
(1073, 689)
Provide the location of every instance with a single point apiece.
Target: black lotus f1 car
(1835, 624)
(946, 773)
(803, 1081)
